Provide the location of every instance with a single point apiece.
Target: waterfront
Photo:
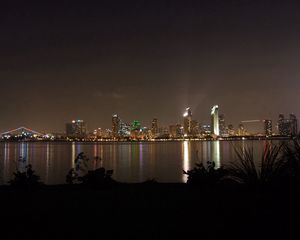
(131, 162)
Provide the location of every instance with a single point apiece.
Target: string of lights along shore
(188, 129)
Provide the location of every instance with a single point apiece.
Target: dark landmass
(149, 211)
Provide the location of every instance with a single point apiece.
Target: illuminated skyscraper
(187, 122)
(222, 125)
(281, 125)
(215, 120)
(77, 129)
(195, 128)
(154, 127)
(230, 130)
(287, 127)
(115, 125)
(173, 131)
(241, 130)
(268, 127)
(293, 124)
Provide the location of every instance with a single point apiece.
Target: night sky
(61, 60)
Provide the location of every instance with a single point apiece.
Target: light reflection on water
(131, 162)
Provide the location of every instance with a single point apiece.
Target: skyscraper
(287, 127)
(231, 131)
(77, 129)
(293, 124)
(222, 125)
(281, 125)
(115, 125)
(241, 130)
(154, 127)
(268, 127)
(187, 122)
(215, 120)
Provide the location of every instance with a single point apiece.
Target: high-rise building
(154, 127)
(179, 130)
(241, 130)
(230, 130)
(98, 133)
(136, 130)
(281, 125)
(268, 127)
(77, 129)
(222, 125)
(136, 125)
(287, 127)
(115, 125)
(195, 128)
(215, 120)
(205, 130)
(293, 124)
(125, 129)
(187, 122)
(173, 131)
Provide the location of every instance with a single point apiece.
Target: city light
(188, 129)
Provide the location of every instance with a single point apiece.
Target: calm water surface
(131, 162)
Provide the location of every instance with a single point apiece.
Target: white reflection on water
(186, 159)
(47, 161)
(215, 154)
(73, 155)
(23, 157)
(95, 156)
(6, 161)
(141, 161)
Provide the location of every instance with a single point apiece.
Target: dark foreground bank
(149, 211)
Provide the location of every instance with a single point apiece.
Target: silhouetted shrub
(291, 151)
(26, 179)
(97, 177)
(205, 176)
(274, 167)
(71, 176)
(81, 174)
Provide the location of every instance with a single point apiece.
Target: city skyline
(145, 59)
(186, 124)
(187, 128)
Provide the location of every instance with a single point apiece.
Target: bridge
(21, 132)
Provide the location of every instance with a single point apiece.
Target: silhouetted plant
(71, 176)
(97, 177)
(26, 179)
(81, 174)
(81, 164)
(205, 176)
(273, 167)
(150, 181)
(292, 158)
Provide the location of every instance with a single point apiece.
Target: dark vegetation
(248, 199)
(279, 166)
(93, 178)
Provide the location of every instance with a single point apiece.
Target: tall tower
(187, 122)
(293, 124)
(222, 126)
(215, 120)
(154, 127)
(268, 127)
(281, 127)
(77, 128)
(115, 125)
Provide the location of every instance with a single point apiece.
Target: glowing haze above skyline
(147, 59)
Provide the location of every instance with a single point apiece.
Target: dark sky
(61, 60)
